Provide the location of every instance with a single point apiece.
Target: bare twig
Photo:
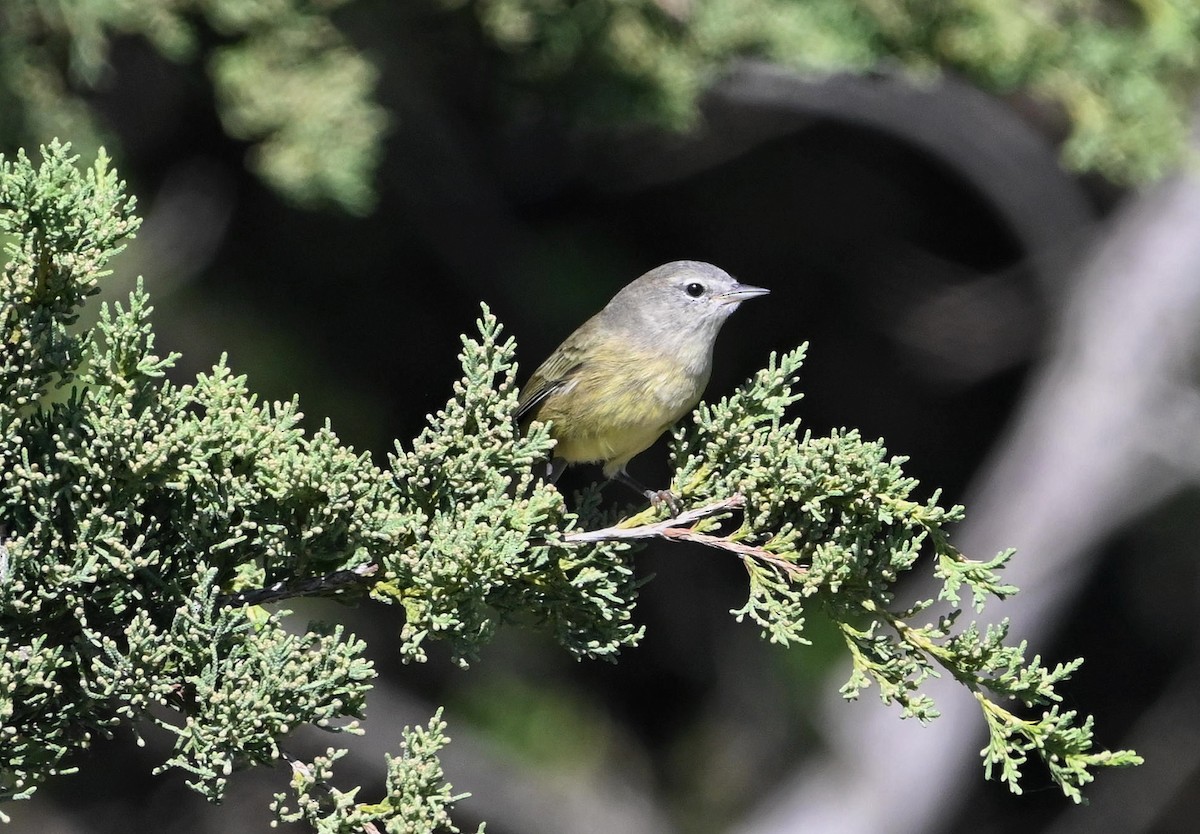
(657, 530)
(745, 551)
(679, 528)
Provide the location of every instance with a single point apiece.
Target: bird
(633, 369)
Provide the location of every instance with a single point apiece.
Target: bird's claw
(664, 496)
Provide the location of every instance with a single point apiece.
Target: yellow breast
(617, 406)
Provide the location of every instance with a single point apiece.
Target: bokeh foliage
(1124, 72)
(288, 80)
(284, 77)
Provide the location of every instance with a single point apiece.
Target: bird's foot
(664, 496)
(657, 497)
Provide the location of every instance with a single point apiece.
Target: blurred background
(982, 217)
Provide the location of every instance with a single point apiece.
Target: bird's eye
(694, 290)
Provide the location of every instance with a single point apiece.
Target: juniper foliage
(134, 509)
(146, 525)
(832, 526)
(416, 800)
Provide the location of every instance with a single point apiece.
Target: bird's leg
(657, 497)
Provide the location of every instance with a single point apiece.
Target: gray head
(680, 298)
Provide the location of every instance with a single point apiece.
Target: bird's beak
(741, 292)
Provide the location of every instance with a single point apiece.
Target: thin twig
(679, 528)
(745, 551)
(656, 530)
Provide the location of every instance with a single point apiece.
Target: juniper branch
(681, 528)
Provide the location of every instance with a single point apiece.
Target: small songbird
(630, 371)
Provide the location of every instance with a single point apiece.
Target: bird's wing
(556, 374)
(531, 400)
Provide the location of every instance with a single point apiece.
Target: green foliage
(830, 526)
(144, 524)
(133, 508)
(68, 226)
(256, 682)
(1125, 76)
(141, 516)
(107, 586)
(417, 795)
(487, 541)
(304, 95)
(285, 79)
